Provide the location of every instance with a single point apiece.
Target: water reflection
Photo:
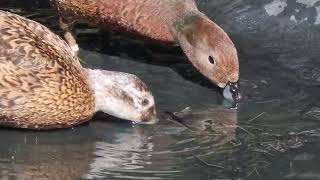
(120, 150)
(34, 155)
(219, 124)
(116, 149)
(150, 152)
(304, 166)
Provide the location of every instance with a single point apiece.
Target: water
(273, 135)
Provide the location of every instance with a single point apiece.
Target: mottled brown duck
(43, 85)
(206, 45)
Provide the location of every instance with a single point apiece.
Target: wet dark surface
(274, 134)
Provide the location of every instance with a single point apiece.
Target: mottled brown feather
(42, 85)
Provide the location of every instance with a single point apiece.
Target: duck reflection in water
(218, 123)
(101, 150)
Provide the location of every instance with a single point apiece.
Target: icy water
(274, 133)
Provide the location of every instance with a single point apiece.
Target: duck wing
(35, 42)
(42, 84)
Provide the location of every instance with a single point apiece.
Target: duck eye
(211, 60)
(144, 102)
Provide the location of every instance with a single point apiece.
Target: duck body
(206, 45)
(149, 19)
(42, 84)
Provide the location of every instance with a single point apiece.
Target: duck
(44, 86)
(206, 45)
(217, 122)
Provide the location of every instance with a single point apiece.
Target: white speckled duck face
(123, 95)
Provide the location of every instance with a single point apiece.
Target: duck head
(122, 95)
(211, 51)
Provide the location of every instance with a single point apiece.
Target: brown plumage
(207, 46)
(122, 15)
(42, 84)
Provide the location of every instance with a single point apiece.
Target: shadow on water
(273, 133)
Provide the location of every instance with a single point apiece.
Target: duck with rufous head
(207, 46)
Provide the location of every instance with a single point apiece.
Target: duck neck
(179, 13)
(94, 81)
(186, 22)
